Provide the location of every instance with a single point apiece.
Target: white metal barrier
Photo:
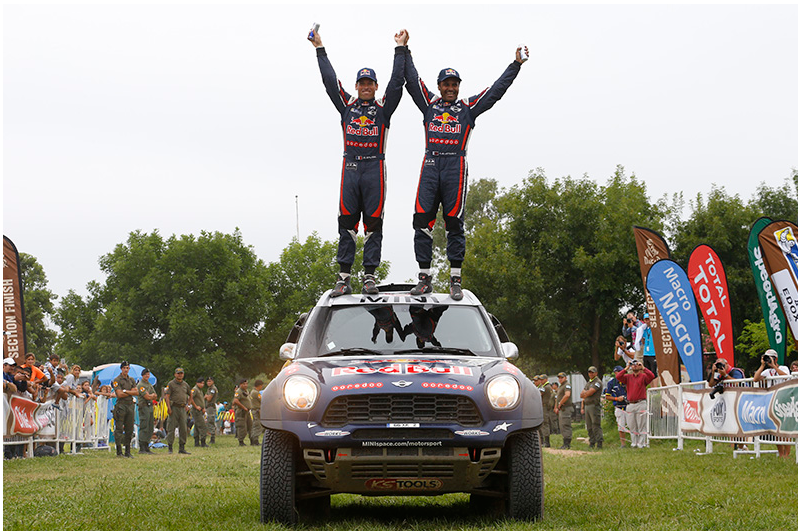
(665, 407)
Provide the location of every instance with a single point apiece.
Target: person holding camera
(622, 351)
(636, 378)
(721, 371)
(768, 368)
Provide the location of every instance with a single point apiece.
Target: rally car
(397, 395)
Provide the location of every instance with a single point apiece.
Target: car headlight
(503, 392)
(300, 393)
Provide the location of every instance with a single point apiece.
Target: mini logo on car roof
(402, 383)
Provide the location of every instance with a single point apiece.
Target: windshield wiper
(450, 350)
(352, 352)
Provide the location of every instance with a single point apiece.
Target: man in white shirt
(769, 368)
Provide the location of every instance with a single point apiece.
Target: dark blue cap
(367, 73)
(617, 368)
(446, 73)
(124, 364)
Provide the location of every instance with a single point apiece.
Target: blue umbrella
(108, 373)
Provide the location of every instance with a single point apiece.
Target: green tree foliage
(296, 281)
(196, 302)
(39, 307)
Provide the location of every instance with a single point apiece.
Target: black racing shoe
(424, 285)
(370, 285)
(342, 287)
(456, 289)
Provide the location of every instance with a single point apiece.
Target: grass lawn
(217, 488)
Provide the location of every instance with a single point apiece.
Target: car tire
(524, 477)
(278, 478)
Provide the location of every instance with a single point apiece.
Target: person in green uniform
(124, 410)
(591, 407)
(546, 395)
(177, 396)
(198, 413)
(254, 397)
(241, 407)
(146, 421)
(564, 407)
(211, 394)
(555, 421)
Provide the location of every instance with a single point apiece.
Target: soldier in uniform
(211, 394)
(198, 413)
(124, 410)
(591, 407)
(254, 397)
(564, 407)
(146, 421)
(546, 395)
(177, 396)
(555, 421)
(242, 405)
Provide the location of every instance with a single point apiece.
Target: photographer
(769, 368)
(636, 378)
(722, 372)
(622, 351)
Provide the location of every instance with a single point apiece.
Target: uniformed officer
(177, 396)
(198, 413)
(254, 397)
(564, 407)
(242, 405)
(211, 394)
(546, 395)
(146, 421)
(591, 407)
(124, 410)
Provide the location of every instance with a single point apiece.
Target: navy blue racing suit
(444, 174)
(365, 126)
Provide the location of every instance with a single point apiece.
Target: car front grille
(383, 408)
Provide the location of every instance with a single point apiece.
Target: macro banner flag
(651, 247)
(742, 411)
(14, 345)
(708, 280)
(780, 252)
(775, 323)
(670, 288)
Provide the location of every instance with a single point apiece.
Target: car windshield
(401, 328)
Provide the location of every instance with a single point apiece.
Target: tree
(39, 307)
(297, 280)
(195, 302)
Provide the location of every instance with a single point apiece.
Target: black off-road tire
(525, 477)
(278, 478)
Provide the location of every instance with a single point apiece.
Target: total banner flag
(708, 279)
(742, 411)
(671, 291)
(26, 417)
(775, 323)
(780, 254)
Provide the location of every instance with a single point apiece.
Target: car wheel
(524, 477)
(278, 478)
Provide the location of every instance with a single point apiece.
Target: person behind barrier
(564, 407)
(636, 377)
(769, 368)
(794, 366)
(616, 393)
(649, 354)
(9, 367)
(71, 380)
(721, 372)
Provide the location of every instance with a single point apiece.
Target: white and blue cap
(366, 73)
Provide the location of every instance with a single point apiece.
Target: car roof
(398, 294)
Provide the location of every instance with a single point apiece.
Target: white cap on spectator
(772, 353)
(9, 361)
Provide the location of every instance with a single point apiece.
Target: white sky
(187, 118)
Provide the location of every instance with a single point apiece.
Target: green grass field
(217, 488)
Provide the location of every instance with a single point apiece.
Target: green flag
(775, 323)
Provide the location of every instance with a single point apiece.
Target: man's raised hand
(402, 37)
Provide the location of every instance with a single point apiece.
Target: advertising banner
(13, 309)
(26, 417)
(742, 411)
(708, 279)
(651, 248)
(670, 288)
(780, 253)
(775, 323)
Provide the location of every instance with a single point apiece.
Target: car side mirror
(287, 351)
(510, 350)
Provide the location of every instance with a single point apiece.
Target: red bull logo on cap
(447, 122)
(364, 72)
(365, 127)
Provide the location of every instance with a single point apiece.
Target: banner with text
(742, 411)
(14, 345)
(708, 280)
(670, 289)
(651, 248)
(780, 253)
(775, 323)
(26, 417)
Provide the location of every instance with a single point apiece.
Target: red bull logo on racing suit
(365, 127)
(449, 124)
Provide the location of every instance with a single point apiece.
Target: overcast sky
(188, 118)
